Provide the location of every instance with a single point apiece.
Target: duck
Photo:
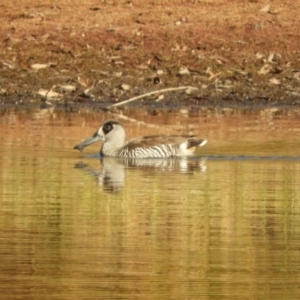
(113, 135)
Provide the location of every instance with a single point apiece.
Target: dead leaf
(119, 62)
(67, 88)
(259, 55)
(221, 60)
(141, 67)
(274, 81)
(297, 75)
(84, 82)
(266, 8)
(176, 48)
(8, 64)
(3, 91)
(49, 94)
(42, 66)
(117, 74)
(184, 71)
(189, 90)
(242, 72)
(125, 87)
(271, 57)
(160, 97)
(87, 92)
(39, 66)
(265, 69)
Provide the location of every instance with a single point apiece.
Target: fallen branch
(151, 93)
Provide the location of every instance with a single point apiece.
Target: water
(222, 225)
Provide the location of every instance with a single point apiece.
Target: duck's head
(111, 131)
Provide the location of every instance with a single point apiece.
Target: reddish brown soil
(234, 52)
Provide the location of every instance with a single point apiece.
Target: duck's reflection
(111, 177)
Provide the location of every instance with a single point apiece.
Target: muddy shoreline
(75, 56)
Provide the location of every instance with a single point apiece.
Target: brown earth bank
(70, 54)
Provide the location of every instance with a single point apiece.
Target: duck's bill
(95, 138)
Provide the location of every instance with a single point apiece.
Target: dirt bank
(97, 53)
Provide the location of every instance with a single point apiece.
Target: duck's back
(158, 147)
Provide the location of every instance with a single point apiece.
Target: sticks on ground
(151, 93)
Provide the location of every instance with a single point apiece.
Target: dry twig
(151, 93)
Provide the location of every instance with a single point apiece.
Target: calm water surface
(222, 225)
